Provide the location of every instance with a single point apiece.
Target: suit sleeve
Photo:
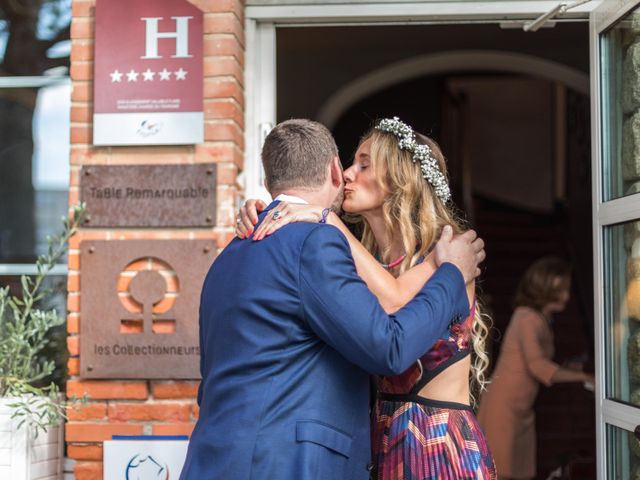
(343, 312)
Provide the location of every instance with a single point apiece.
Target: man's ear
(337, 179)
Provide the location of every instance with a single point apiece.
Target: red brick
(74, 197)
(229, 132)
(221, 152)
(88, 471)
(73, 366)
(73, 282)
(81, 135)
(82, 235)
(163, 390)
(73, 324)
(89, 411)
(173, 429)
(172, 281)
(99, 432)
(73, 344)
(81, 92)
(226, 195)
(224, 109)
(107, 389)
(223, 66)
(81, 71)
(82, 114)
(87, 155)
(73, 302)
(165, 412)
(221, 6)
(224, 23)
(195, 411)
(84, 452)
(215, 88)
(223, 45)
(152, 155)
(83, 9)
(82, 28)
(73, 261)
(74, 177)
(81, 50)
(227, 174)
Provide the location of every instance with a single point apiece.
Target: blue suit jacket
(289, 335)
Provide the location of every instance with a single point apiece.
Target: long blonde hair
(412, 210)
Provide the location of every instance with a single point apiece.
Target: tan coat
(506, 414)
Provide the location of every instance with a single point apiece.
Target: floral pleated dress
(415, 438)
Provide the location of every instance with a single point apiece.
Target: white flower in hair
(419, 153)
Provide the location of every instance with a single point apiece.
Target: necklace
(395, 263)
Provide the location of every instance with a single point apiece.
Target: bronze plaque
(139, 307)
(149, 195)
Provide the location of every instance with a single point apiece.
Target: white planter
(25, 457)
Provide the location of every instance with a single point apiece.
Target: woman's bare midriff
(450, 385)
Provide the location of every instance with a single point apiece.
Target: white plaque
(144, 458)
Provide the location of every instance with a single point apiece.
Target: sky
(51, 137)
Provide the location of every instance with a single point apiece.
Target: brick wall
(144, 406)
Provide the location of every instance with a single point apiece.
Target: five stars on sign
(148, 75)
(116, 76)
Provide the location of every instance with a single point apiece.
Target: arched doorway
(433, 78)
(449, 63)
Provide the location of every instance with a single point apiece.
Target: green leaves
(24, 330)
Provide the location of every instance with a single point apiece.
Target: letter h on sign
(181, 36)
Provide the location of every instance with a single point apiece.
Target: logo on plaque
(139, 307)
(142, 467)
(150, 292)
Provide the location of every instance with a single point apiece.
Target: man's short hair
(296, 154)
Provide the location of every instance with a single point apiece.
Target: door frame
(605, 213)
(261, 22)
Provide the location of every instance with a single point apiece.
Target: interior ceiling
(314, 62)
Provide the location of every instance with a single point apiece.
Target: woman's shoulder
(529, 317)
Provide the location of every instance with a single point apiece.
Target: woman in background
(506, 409)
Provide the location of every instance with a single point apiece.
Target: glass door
(615, 50)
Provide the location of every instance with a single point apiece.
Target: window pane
(620, 76)
(622, 312)
(34, 168)
(623, 454)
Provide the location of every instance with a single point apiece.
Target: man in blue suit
(289, 334)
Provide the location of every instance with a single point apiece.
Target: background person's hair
(413, 209)
(296, 154)
(542, 282)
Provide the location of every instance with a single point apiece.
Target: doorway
(511, 111)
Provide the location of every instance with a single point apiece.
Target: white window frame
(605, 213)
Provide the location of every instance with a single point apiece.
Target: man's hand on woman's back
(465, 251)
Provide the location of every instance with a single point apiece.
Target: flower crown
(420, 153)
